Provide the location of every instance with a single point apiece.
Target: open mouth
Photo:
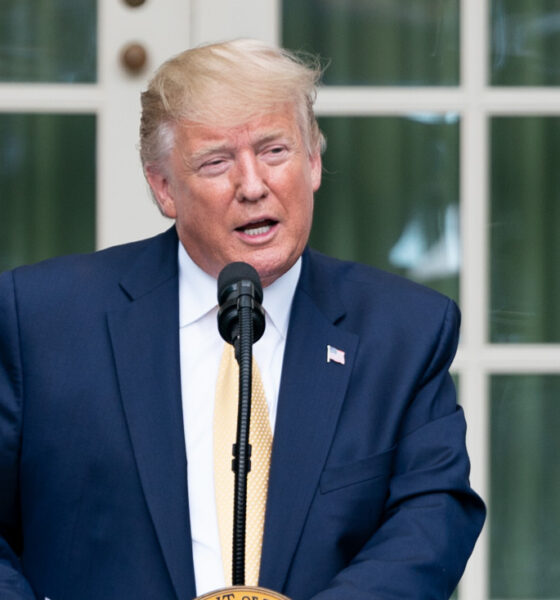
(257, 228)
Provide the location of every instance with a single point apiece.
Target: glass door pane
(525, 42)
(396, 42)
(390, 196)
(525, 487)
(48, 41)
(524, 231)
(47, 186)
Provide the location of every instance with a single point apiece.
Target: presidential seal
(241, 592)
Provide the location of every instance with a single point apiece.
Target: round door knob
(134, 3)
(134, 58)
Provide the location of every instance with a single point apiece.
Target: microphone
(241, 323)
(239, 286)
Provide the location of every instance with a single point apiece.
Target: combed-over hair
(227, 84)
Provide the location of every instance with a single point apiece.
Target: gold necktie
(260, 438)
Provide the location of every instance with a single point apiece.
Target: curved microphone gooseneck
(241, 323)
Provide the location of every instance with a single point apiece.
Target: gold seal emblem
(241, 592)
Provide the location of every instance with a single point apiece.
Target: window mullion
(474, 203)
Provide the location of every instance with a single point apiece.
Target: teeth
(257, 230)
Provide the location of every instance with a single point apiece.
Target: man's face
(242, 193)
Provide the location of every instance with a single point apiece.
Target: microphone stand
(242, 449)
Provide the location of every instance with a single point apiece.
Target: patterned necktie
(260, 438)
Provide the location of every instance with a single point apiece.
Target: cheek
(203, 206)
(306, 203)
(308, 217)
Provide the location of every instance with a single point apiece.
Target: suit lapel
(311, 395)
(145, 337)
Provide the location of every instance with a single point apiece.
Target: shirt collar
(197, 290)
(197, 293)
(278, 296)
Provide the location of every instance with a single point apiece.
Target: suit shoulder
(373, 282)
(106, 262)
(372, 296)
(92, 274)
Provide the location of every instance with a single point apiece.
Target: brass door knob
(134, 58)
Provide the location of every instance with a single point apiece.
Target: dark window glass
(47, 186)
(387, 42)
(525, 228)
(390, 196)
(48, 41)
(525, 42)
(525, 487)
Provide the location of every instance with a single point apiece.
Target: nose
(250, 185)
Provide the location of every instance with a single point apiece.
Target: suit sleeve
(13, 585)
(431, 517)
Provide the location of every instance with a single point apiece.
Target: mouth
(257, 228)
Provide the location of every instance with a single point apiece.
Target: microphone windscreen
(232, 274)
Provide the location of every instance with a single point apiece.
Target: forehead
(270, 126)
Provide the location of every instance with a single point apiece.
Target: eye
(213, 162)
(213, 166)
(275, 153)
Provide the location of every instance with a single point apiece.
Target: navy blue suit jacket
(368, 496)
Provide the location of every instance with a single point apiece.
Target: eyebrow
(262, 140)
(205, 152)
(271, 136)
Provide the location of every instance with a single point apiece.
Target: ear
(316, 169)
(161, 188)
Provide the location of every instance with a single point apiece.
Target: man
(109, 364)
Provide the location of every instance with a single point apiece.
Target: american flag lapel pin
(335, 355)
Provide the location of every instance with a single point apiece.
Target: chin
(269, 264)
(270, 273)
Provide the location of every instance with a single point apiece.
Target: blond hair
(227, 84)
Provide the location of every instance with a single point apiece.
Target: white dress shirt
(201, 348)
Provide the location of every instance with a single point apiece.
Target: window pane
(389, 195)
(525, 42)
(525, 487)
(47, 186)
(525, 226)
(392, 42)
(48, 40)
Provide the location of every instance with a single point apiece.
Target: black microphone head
(234, 273)
(239, 282)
